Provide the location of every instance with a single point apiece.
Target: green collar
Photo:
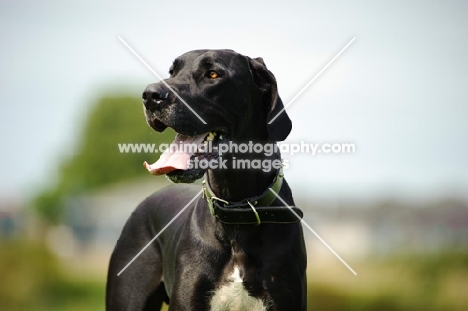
(255, 210)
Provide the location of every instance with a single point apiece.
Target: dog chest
(232, 296)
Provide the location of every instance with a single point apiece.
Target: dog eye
(213, 74)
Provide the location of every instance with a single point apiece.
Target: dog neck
(235, 185)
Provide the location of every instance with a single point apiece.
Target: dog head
(213, 96)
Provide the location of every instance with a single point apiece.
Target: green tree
(97, 161)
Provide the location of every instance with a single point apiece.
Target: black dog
(237, 247)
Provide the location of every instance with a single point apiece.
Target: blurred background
(396, 210)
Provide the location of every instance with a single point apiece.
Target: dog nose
(153, 95)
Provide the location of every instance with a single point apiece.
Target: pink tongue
(177, 156)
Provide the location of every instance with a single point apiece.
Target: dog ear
(280, 128)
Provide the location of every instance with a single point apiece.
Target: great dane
(237, 246)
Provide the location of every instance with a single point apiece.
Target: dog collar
(255, 210)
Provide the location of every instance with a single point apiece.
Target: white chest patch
(234, 297)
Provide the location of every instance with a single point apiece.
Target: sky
(399, 92)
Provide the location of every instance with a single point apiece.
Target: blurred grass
(407, 282)
(31, 278)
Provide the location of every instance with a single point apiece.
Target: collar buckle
(208, 195)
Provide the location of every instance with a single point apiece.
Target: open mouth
(186, 149)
